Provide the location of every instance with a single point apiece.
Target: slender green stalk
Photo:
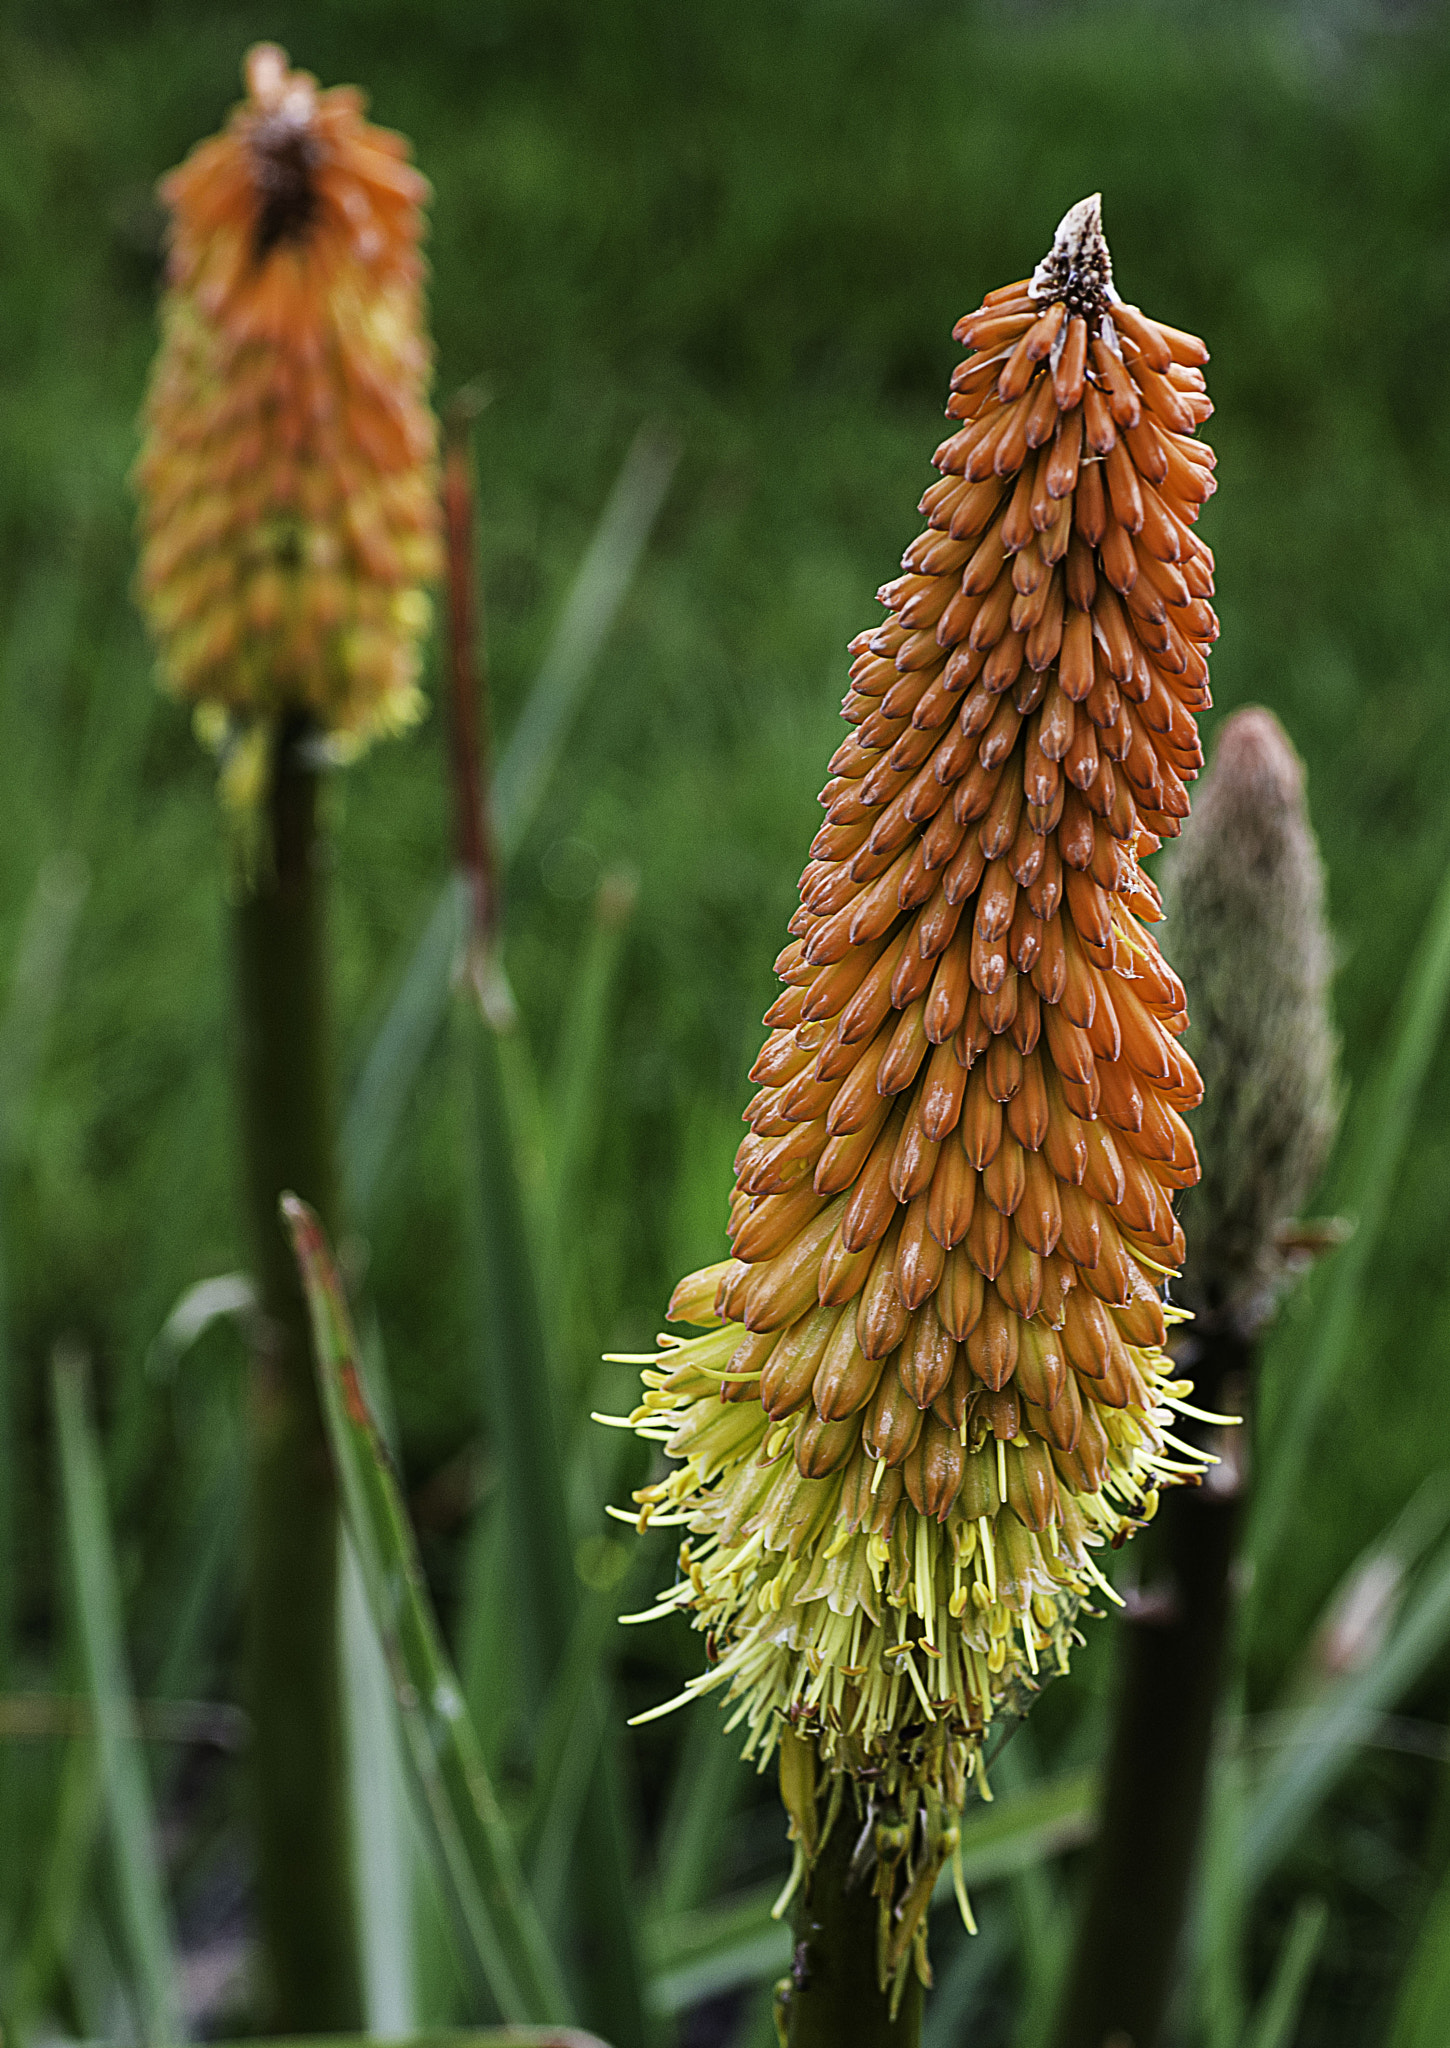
(833, 1995)
(1175, 1639)
(299, 1787)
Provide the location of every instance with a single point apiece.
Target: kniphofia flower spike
(933, 1381)
(287, 477)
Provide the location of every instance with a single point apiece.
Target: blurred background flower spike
(290, 526)
(287, 476)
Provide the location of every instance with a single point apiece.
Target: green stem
(304, 1850)
(1175, 1641)
(833, 1997)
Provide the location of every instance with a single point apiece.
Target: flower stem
(1175, 1641)
(304, 1859)
(834, 1997)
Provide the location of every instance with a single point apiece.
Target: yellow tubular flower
(933, 1382)
(287, 476)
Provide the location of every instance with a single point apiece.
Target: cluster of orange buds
(288, 472)
(933, 1380)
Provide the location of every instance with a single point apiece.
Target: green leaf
(700, 1955)
(1023, 1829)
(579, 1076)
(948, 2010)
(515, 1364)
(1359, 1615)
(571, 1726)
(1326, 1735)
(707, 1788)
(74, 1822)
(203, 1305)
(484, 2037)
(1422, 2014)
(1219, 1932)
(382, 1825)
(544, 1585)
(1277, 2017)
(390, 1068)
(36, 981)
(488, 1660)
(37, 978)
(589, 612)
(145, 1924)
(1044, 1922)
(501, 1943)
(1379, 1130)
(385, 1083)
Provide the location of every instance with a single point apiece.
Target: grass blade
(516, 1366)
(203, 1304)
(568, 1791)
(1278, 2014)
(384, 1085)
(704, 1954)
(44, 949)
(1044, 1926)
(75, 1819)
(388, 1073)
(589, 612)
(1219, 1959)
(502, 1944)
(1422, 2013)
(487, 1657)
(1330, 1732)
(1359, 1615)
(545, 1586)
(707, 1786)
(571, 1719)
(1380, 1129)
(382, 1830)
(36, 980)
(473, 2037)
(948, 2010)
(143, 1911)
(577, 1087)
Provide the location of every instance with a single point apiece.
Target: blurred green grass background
(755, 225)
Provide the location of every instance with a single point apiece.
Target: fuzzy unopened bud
(1248, 934)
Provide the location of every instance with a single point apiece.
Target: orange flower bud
(1017, 1030)
(287, 474)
